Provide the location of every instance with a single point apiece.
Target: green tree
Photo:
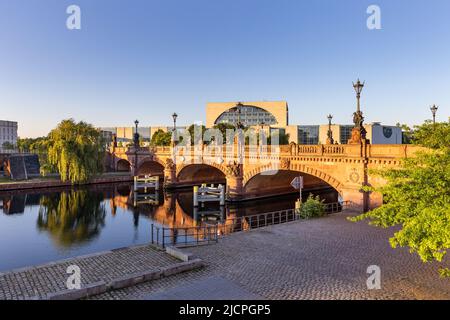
(407, 133)
(435, 136)
(76, 150)
(192, 130)
(7, 145)
(417, 197)
(161, 138)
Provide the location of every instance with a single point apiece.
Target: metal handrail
(185, 236)
(209, 233)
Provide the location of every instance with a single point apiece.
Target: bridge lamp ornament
(136, 134)
(358, 131)
(174, 117)
(434, 109)
(358, 115)
(330, 139)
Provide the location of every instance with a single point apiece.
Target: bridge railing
(210, 233)
(344, 150)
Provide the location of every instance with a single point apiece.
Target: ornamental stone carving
(234, 169)
(285, 164)
(170, 165)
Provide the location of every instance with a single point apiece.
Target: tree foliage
(8, 145)
(76, 150)
(434, 136)
(416, 197)
(161, 138)
(313, 207)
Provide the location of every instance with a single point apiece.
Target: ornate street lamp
(358, 89)
(329, 133)
(358, 131)
(136, 134)
(174, 117)
(434, 109)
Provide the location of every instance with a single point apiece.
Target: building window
(308, 134)
(346, 134)
(249, 116)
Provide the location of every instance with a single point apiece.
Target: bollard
(298, 205)
(157, 183)
(222, 195)
(195, 196)
(135, 183)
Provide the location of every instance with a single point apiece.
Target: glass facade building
(308, 134)
(248, 116)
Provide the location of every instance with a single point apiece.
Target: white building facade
(8, 133)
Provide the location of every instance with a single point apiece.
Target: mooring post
(222, 195)
(195, 196)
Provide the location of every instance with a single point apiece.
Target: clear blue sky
(146, 59)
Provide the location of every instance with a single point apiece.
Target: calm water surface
(47, 225)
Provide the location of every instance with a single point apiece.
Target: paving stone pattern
(325, 258)
(39, 281)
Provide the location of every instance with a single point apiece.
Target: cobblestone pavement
(49, 278)
(205, 289)
(324, 258)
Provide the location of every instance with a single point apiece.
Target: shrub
(313, 207)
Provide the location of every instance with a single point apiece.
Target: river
(43, 225)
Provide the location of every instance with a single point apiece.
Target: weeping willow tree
(76, 150)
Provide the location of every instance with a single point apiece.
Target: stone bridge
(251, 172)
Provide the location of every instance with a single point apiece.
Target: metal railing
(260, 220)
(209, 233)
(189, 236)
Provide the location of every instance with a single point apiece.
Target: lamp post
(330, 132)
(358, 89)
(434, 109)
(174, 117)
(358, 131)
(136, 134)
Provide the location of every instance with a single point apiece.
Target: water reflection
(72, 217)
(43, 225)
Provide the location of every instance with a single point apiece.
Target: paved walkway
(324, 258)
(52, 277)
(205, 289)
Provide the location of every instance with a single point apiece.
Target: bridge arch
(123, 165)
(201, 173)
(270, 178)
(150, 166)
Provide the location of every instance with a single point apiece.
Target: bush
(313, 207)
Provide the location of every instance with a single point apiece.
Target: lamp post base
(358, 136)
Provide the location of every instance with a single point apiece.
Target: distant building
(272, 113)
(8, 133)
(124, 135)
(317, 134)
